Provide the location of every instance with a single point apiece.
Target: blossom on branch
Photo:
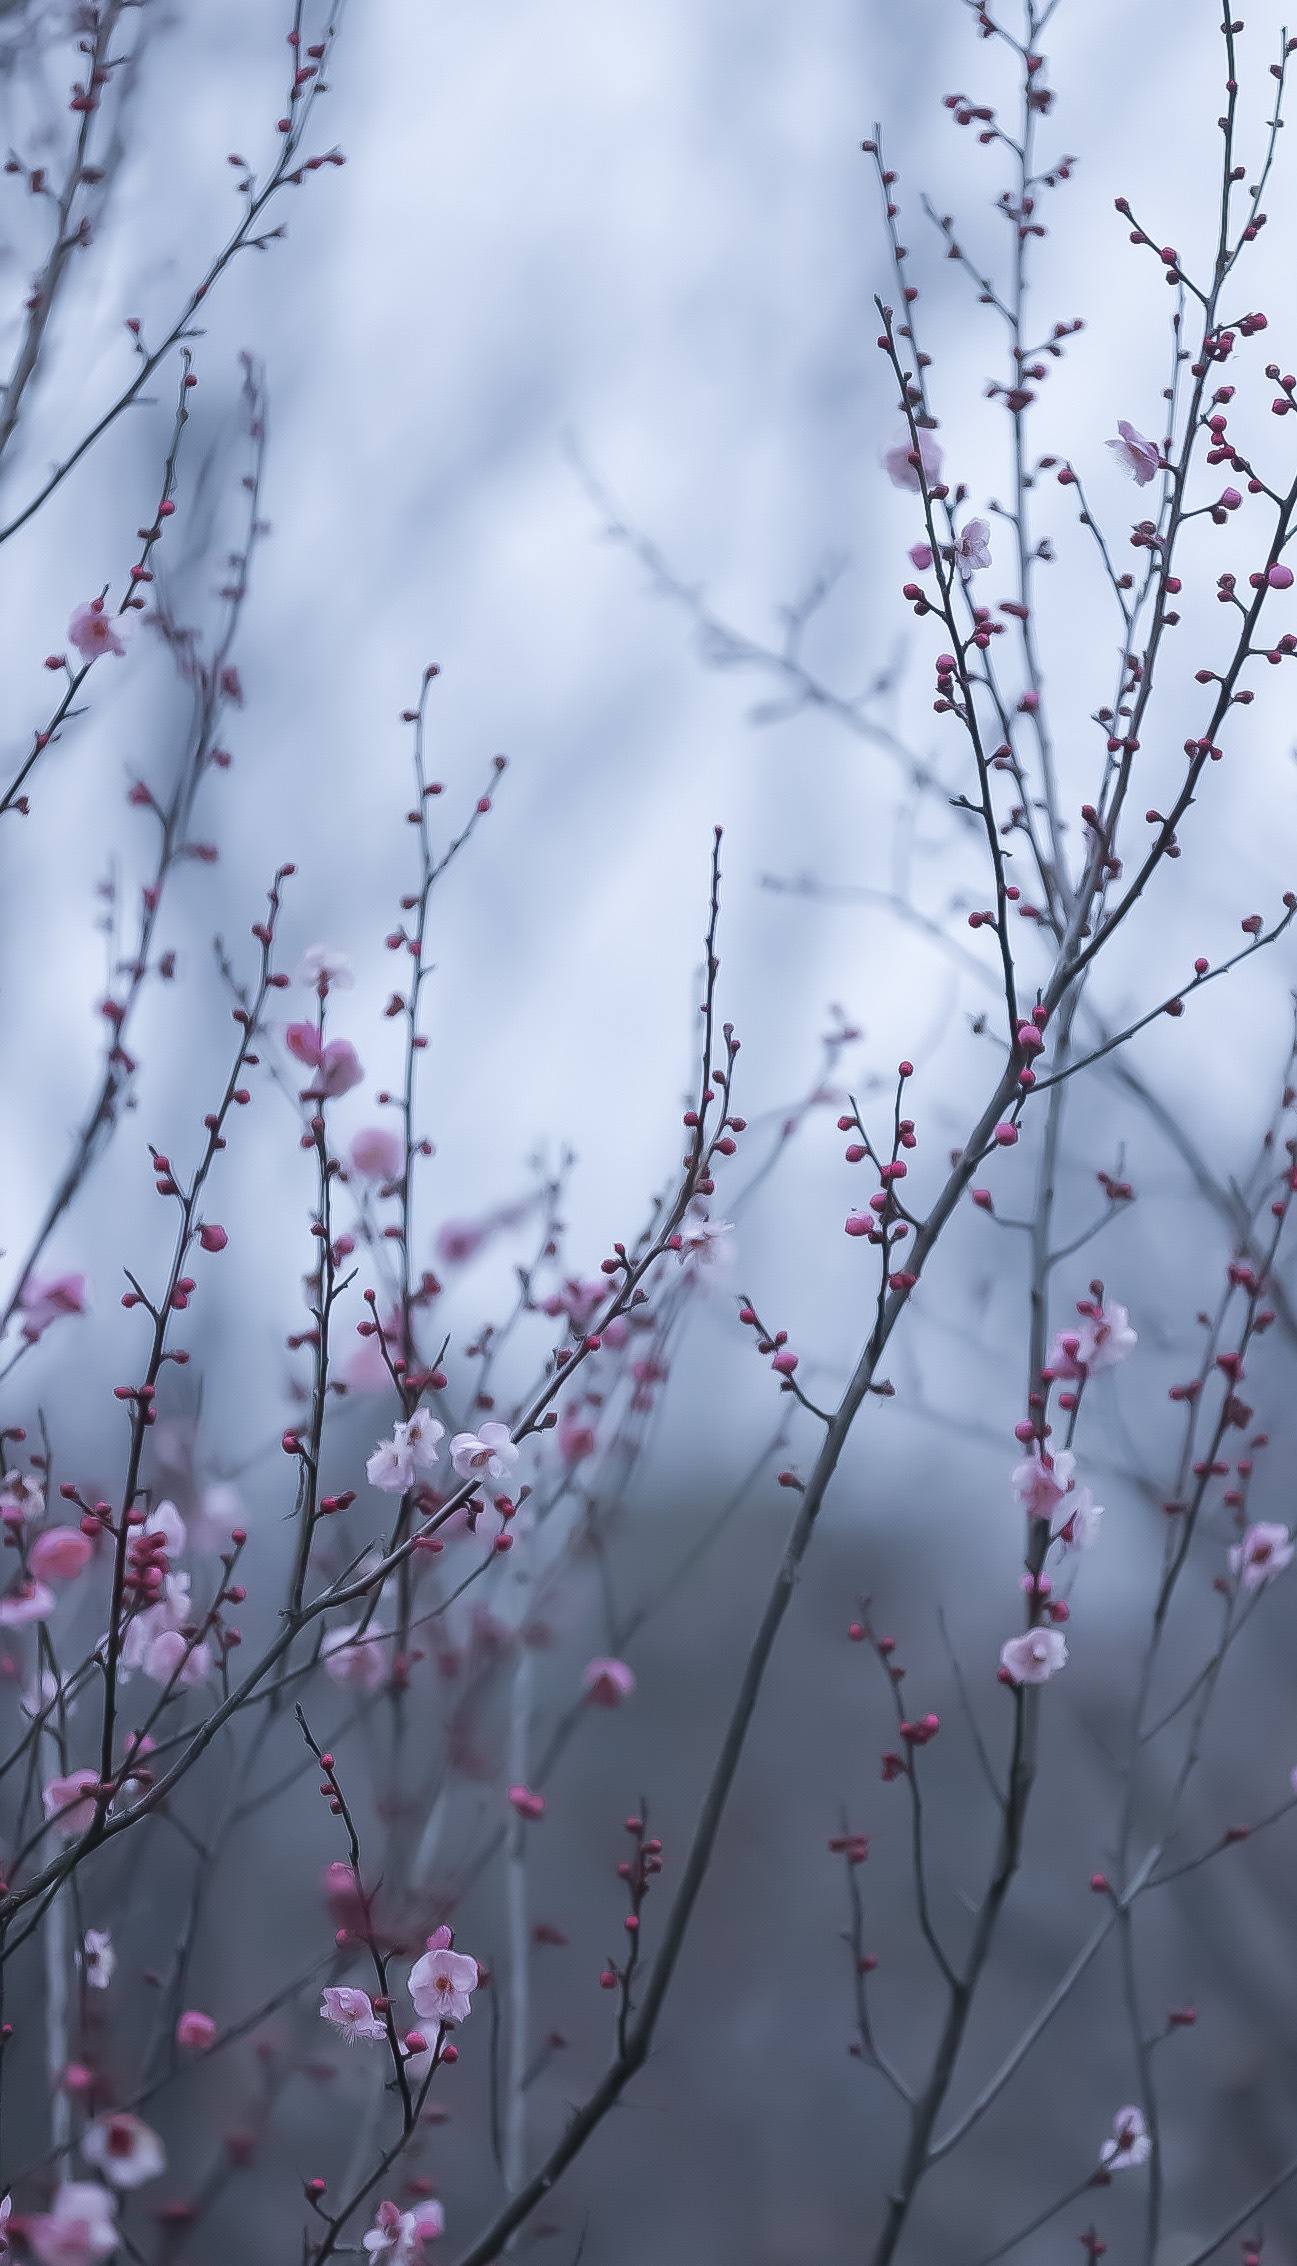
(1035, 1656)
(352, 2015)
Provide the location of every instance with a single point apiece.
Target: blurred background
(608, 270)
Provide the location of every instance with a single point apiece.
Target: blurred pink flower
(902, 472)
(195, 2031)
(1039, 1486)
(78, 2228)
(69, 1802)
(47, 1299)
(126, 2150)
(362, 1664)
(60, 1554)
(1263, 1553)
(98, 1959)
(1105, 1338)
(303, 1043)
(378, 1152)
(340, 1069)
(324, 969)
(26, 1602)
(93, 631)
(607, 1682)
(1129, 2144)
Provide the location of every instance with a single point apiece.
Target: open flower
(1039, 1486)
(93, 631)
(98, 1959)
(340, 1069)
(325, 969)
(126, 2150)
(1129, 2144)
(26, 1602)
(78, 2228)
(378, 1152)
(703, 1242)
(899, 465)
(442, 1984)
(973, 547)
(47, 1298)
(352, 2014)
(1105, 1337)
(1080, 1526)
(60, 1554)
(358, 1657)
(1263, 1553)
(397, 2237)
(488, 1453)
(1035, 1656)
(412, 1448)
(1135, 455)
(69, 1803)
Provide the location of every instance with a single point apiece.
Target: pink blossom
(358, 1659)
(180, 1661)
(1040, 1486)
(1080, 1527)
(1035, 1656)
(488, 1453)
(1135, 455)
(126, 2150)
(93, 631)
(78, 2228)
(69, 1802)
(165, 1524)
(606, 1683)
(378, 1153)
(195, 2031)
(442, 1984)
(972, 547)
(26, 1602)
(902, 472)
(399, 2236)
(412, 1448)
(1105, 1338)
(340, 1069)
(6, 2209)
(324, 969)
(576, 1438)
(1263, 1553)
(920, 556)
(304, 1044)
(526, 1803)
(60, 1554)
(21, 1498)
(352, 2014)
(98, 1959)
(1130, 2143)
(47, 1299)
(702, 1241)
(458, 1241)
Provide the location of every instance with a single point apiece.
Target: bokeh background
(608, 265)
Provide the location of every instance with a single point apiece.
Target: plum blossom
(1102, 1338)
(126, 2150)
(21, 1498)
(378, 1152)
(398, 2236)
(701, 1241)
(972, 547)
(6, 2209)
(1079, 1529)
(340, 1069)
(488, 1453)
(1135, 455)
(1039, 1486)
(26, 1602)
(1264, 1552)
(93, 631)
(304, 1044)
(98, 1958)
(60, 1554)
(156, 1640)
(69, 1802)
(606, 1683)
(412, 1448)
(180, 1661)
(47, 1299)
(1130, 2143)
(442, 1984)
(356, 1656)
(902, 472)
(1035, 1656)
(78, 2227)
(324, 969)
(352, 2014)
